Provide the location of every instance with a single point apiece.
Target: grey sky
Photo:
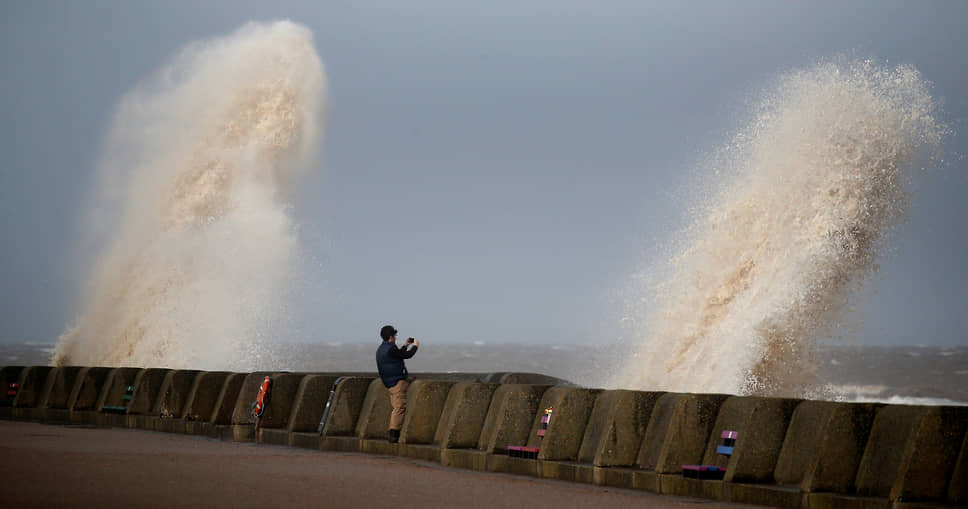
(519, 162)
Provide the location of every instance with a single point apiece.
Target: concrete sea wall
(788, 452)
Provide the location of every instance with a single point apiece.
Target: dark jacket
(389, 362)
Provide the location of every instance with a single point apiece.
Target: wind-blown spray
(813, 185)
(198, 244)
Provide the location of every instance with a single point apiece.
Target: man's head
(388, 333)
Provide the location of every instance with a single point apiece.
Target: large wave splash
(804, 199)
(198, 242)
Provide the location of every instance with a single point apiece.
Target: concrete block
(375, 413)
(310, 401)
(509, 417)
(618, 477)
(340, 443)
(841, 501)
(147, 388)
(273, 436)
(570, 471)
(468, 459)
(83, 402)
(462, 418)
(378, 446)
(958, 486)
(8, 375)
(113, 395)
(678, 430)
(911, 452)
(202, 396)
(425, 403)
(304, 440)
(505, 378)
(242, 413)
(229, 397)
(344, 413)
(762, 425)
(33, 383)
(282, 398)
(823, 446)
(425, 452)
(765, 494)
(616, 427)
(646, 480)
(62, 381)
(508, 465)
(175, 391)
(571, 407)
(677, 485)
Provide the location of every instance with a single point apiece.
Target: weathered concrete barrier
(678, 430)
(958, 486)
(32, 382)
(200, 402)
(508, 420)
(789, 453)
(558, 449)
(614, 433)
(278, 409)
(346, 408)
(147, 388)
(242, 428)
(425, 404)
(910, 456)
(55, 409)
(116, 396)
(82, 406)
(820, 452)
(220, 421)
(462, 419)
(169, 408)
(307, 411)
(762, 424)
(8, 375)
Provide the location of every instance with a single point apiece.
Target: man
(393, 373)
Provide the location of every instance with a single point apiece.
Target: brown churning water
(198, 244)
(804, 198)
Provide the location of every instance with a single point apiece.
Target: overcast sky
(520, 161)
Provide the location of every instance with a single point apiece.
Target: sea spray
(805, 197)
(198, 242)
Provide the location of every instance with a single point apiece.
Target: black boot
(393, 436)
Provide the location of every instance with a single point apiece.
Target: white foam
(792, 214)
(190, 205)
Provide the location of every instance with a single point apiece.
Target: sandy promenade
(63, 466)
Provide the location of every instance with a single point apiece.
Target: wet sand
(68, 466)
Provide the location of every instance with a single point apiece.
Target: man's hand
(413, 341)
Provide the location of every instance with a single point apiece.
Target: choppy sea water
(916, 375)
